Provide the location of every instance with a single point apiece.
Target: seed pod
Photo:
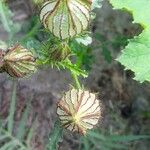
(79, 110)
(66, 18)
(19, 62)
(60, 52)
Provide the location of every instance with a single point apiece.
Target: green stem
(77, 82)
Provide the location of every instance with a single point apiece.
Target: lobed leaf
(136, 55)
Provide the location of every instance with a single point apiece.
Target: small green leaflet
(136, 55)
(96, 4)
(85, 40)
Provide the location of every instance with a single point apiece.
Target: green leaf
(11, 141)
(86, 144)
(73, 68)
(31, 133)
(136, 55)
(4, 13)
(139, 9)
(12, 108)
(55, 136)
(107, 54)
(22, 125)
(84, 57)
(127, 138)
(8, 145)
(7, 22)
(3, 137)
(118, 142)
(96, 135)
(8, 141)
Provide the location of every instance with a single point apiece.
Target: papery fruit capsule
(19, 61)
(79, 110)
(66, 18)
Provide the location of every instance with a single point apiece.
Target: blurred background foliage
(30, 33)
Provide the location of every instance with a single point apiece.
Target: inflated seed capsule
(79, 110)
(66, 18)
(19, 61)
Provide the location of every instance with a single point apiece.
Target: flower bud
(66, 18)
(60, 52)
(19, 62)
(79, 110)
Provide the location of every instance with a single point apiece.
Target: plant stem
(77, 82)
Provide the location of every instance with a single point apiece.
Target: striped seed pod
(66, 18)
(79, 110)
(19, 62)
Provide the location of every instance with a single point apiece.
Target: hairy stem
(76, 80)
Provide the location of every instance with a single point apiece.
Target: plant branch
(76, 80)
